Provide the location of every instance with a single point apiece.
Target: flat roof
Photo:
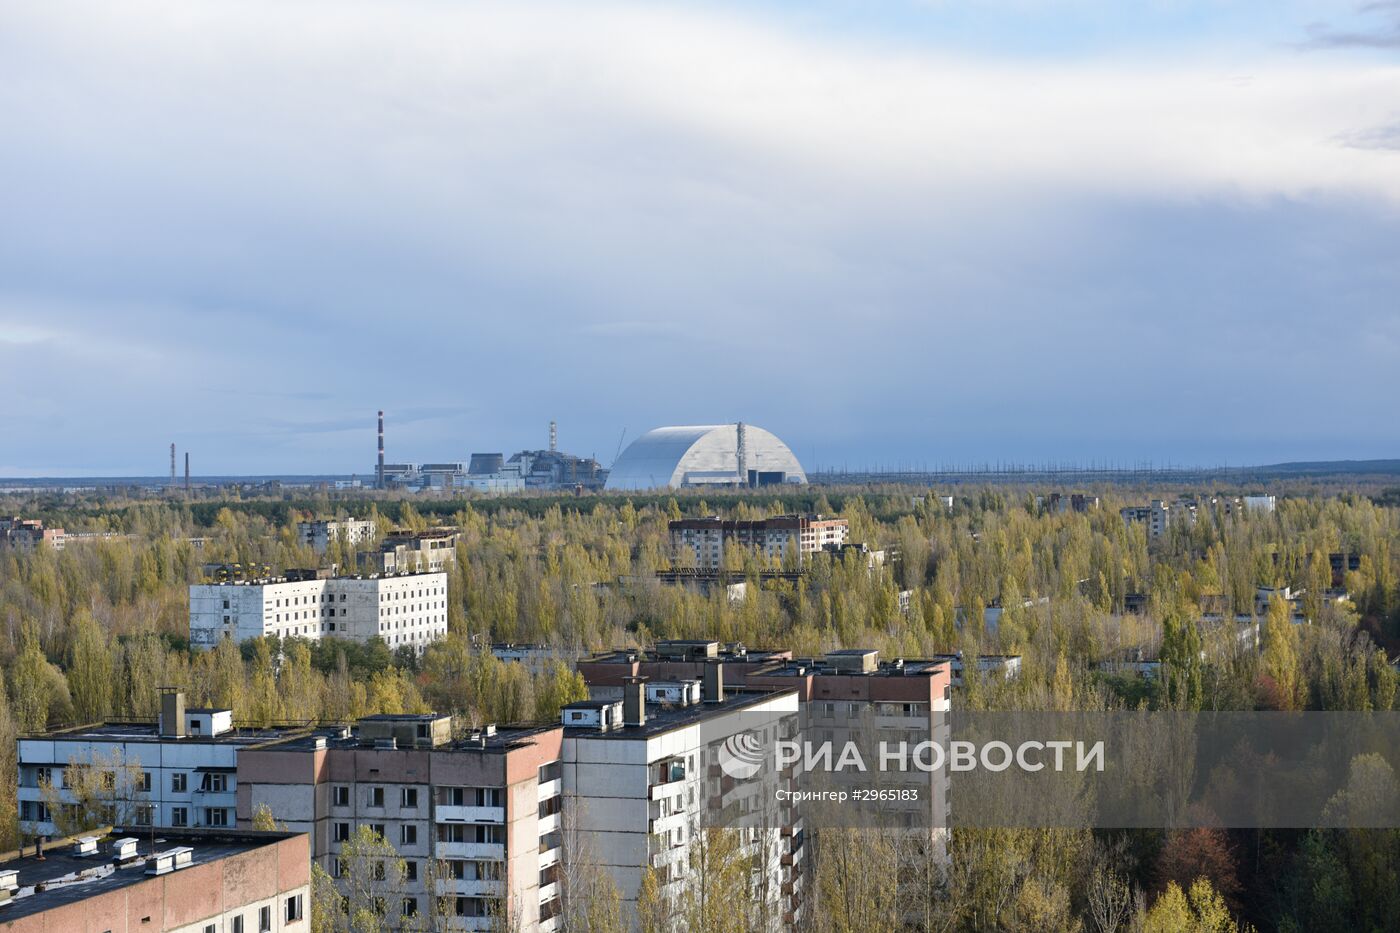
(628, 655)
(822, 668)
(69, 878)
(150, 732)
(663, 717)
(504, 739)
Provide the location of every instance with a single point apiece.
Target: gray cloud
(1383, 32)
(644, 215)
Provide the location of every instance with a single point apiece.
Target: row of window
(293, 910)
(476, 833)
(211, 782)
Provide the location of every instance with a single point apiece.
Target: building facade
(428, 551)
(644, 780)
(176, 773)
(318, 535)
(404, 610)
(705, 539)
(476, 818)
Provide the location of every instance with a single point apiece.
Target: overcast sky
(894, 232)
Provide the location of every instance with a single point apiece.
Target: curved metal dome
(703, 455)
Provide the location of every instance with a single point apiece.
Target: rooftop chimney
(634, 701)
(714, 682)
(172, 713)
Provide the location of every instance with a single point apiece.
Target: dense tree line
(91, 631)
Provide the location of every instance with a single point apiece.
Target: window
(340, 795)
(210, 928)
(294, 909)
(237, 925)
(410, 870)
(378, 830)
(215, 816)
(376, 797)
(214, 783)
(179, 781)
(408, 835)
(144, 782)
(410, 907)
(179, 816)
(408, 798)
(264, 920)
(340, 832)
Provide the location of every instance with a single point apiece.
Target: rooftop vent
(85, 846)
(124, 849)
(318, 743)
(9, 881)
(162, 863)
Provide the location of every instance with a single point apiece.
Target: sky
(893, 233)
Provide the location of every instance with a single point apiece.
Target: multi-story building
(476, 818)
(1074, 502)
(414, 552)
(318, 535)
(404, 610)
(185, 881)
(644, 779)
(1260, 504)
(777, 537)
(177, 772)
(25, 534)
(1157, 516)
(851, 695)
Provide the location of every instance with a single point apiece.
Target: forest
(89, 632)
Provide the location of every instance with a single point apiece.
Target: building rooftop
(824, 667)
(663, 717)
(150, 732)
(502, 739)
(65, 877)
(698, 649)
(266, 581)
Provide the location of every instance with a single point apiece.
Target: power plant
(547, 469)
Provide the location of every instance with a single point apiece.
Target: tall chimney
(172, 713)
(379, 475)
(634, 701)
(187, 472)
(714, 682)
(553, 436)
(172, 466)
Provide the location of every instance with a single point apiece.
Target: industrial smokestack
(553, 437)
(379, 475)
(172, 466)
(187, 472)
(741, 451)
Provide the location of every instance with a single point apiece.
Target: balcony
(550, 789)
(448, 814)
(549, 892)
(550, 857)
(471, 850)
(467, 887)
(549, 824)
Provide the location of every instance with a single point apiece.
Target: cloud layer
(253, 224)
